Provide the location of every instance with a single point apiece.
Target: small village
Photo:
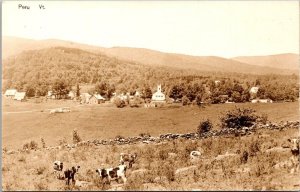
(158, 98)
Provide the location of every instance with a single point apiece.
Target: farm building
(85, 97)
(261, 101)
(50, 95)
(122, 96)
(137, 94)
(71, 95)
(158, 96)
(96, 99)
(217, 82)
(253, 92)
(20, 96)
(10, 93)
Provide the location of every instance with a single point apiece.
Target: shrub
(163, 154)
(244, 157)
(136, 102)
(40, 170)
(41, 186)
(238, 118)
(144, 135)
(22, 159)
(254, 148)
(119, 102)
(43, 142)
(62, 141)
(185, 100)
(76, 137)
(32, 145)
(204, 126)
(263, 119)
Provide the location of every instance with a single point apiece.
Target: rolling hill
(13, 46)
(282, 61)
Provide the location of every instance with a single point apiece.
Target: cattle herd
(119, 172)
(105, 174)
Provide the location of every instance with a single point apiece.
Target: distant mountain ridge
(14, 46)
(282, 61)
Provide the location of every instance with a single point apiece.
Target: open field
(165, 166)
(33, 120)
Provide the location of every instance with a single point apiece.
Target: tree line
(59, 69)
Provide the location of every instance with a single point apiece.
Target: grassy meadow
(26, 121)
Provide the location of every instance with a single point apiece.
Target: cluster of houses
(158, 98)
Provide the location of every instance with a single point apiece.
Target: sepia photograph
(150, 95)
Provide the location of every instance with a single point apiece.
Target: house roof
(10, 92)
(99, 97)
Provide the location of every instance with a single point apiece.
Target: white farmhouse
(10, 93)
(254, 90)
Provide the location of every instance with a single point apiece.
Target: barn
(96, 99)
(20, 96)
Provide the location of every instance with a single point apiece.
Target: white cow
(113, 173)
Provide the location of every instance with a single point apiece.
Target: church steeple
(159, 88)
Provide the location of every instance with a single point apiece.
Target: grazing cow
(58, 167)
(130, 158)
(113, 173)
(70, 174)
(295, 153)
(195, 154)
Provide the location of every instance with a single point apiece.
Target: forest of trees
(59, 69)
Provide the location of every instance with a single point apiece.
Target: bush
(62, 141)
(144, 135)
(263, 119)
(40, 170)
(119, 102)
(76, 137)
(238, 118)
(136, 102)
(185, 100)
(31, 145)
(204, 126)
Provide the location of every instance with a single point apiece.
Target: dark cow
(113, 173)
(70, 174)
(130, 158)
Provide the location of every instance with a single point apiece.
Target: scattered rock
(243, 170)
(172, 155)
(161, 179)
(283, 164)
(153, 187)
(278, 149)
(185, 170)
(81, 183)
(138, 172)
(10, 152)
(220, 157)
(195, 154)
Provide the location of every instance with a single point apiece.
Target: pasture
(26, 121)
(164, 166)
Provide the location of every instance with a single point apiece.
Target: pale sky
(203, 28)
